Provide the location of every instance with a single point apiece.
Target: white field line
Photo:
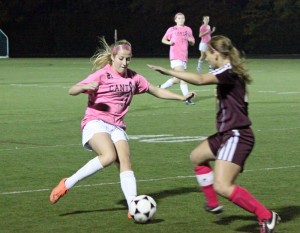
(142, 138)
(36, 147)
(147, 180)
(288, 93)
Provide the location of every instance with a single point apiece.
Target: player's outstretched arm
(192, 78)
(166, 94)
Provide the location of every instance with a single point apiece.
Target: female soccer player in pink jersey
(205, 34)
(234, 140)
(110, 90)
(178, 37)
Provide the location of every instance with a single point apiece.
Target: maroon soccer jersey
(232, 105)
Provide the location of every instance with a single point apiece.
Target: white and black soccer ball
(142, 209)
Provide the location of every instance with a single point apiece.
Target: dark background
(62, 28)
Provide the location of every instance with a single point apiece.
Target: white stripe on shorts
(229, 148)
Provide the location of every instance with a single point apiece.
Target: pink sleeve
(142, 85)
(190, 34)
(168, 34)
(94, 77)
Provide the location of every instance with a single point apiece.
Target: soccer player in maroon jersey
(231, 145)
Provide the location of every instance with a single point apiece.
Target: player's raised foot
(189, 102)
(59, 191)
(214, 210)
(129, 216)
(268, 226)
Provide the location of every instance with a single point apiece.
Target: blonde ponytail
(102, 57)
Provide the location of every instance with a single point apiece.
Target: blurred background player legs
(202, 48)
(205, 34)
(178, 38)
(180, 66)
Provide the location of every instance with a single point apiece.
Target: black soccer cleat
(268, 226)
(189, 102)
(214, 210)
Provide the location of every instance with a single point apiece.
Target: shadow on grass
(157, 196)
(286, 213)
(92, 211)
(167, 193)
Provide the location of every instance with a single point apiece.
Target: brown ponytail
(225, 47)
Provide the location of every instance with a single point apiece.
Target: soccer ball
(142, 209)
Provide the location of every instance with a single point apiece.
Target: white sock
(167, 84)
(184, 89)
(128, 185)
(199, 67)
(205, 179)
(88, 169)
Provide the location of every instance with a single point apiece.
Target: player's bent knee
(107, 159)
(222, 189)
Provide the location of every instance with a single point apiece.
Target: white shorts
(202, 47)
(176, 63)
(98, 126)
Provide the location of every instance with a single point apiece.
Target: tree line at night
(73, 27)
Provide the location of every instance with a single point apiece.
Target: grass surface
(40, 143)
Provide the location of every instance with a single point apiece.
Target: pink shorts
(233, 146)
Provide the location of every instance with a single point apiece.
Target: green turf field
(40, 143)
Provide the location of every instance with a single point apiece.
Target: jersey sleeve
(94, 77)
(190, 34)
(168, 34)
(142, 85)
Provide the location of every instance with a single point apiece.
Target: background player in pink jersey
(110, 90)
(205, 34)
(178, 37)
(234, 140)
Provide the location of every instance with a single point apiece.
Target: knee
(107, 159)
(222, 188)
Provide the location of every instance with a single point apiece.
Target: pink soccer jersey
(179, 35)
(206, 38)
(111, 101)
